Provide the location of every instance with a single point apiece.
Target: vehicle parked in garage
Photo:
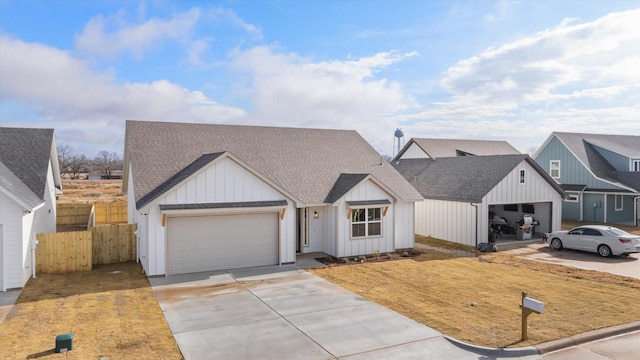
(605, 240)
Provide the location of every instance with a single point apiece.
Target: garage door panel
(205, 243)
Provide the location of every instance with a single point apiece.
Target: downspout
(476, 208)
(604, 215)
(582, 204)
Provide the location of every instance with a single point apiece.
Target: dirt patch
(476, 300)
(110, 311)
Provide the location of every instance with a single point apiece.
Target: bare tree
(65, 152)
(106, 162)
(77, 164)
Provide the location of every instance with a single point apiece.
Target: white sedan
(605, 240)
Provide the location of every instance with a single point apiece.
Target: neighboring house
(212, 197)
(464, 192)
(426, 148)
(600, 174)
(29, 177)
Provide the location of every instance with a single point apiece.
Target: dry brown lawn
(438, 291)
(110, 311)
(91, 191)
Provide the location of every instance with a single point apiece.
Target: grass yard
(110, 311)
(437, 291)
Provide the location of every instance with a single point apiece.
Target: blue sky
(496, 70)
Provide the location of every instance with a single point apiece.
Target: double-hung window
(523, 177)
(554, 169)
(366, 222)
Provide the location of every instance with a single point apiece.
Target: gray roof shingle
(342, 186)
(306, 163)
(582, 146)
(25, 153)
(437, 148)
(10, 181)
(466, 178)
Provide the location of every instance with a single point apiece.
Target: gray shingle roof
(342, 186)
(10, 181)
(306, 163)
(437, 148)
(174, 180)
(466, 178)
(582, 146)
(25, 153)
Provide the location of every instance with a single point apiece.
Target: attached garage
(219, 242)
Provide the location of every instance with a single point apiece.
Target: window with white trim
(366, 222)
(523, 177)
(572, 197)
(554, 169)
(619, 202)
(635, 165)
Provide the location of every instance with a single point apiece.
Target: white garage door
(205, 243)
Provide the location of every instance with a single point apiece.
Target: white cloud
(538, 68)
(69, 96)
(573, 77)
(286, 89)
(229, 16)
(112, 35)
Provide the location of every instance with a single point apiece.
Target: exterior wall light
(316, 215)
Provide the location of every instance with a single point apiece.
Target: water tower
(398, 141)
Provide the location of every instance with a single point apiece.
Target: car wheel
(604, 250)
(556, 244)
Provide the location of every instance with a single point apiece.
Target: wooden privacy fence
(79, 250)
(114, 243)
(111, 213)
(101, 213)
(73, 214)
(63, 252)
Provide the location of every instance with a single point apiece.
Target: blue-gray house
(599, 173)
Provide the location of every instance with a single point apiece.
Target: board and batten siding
(448, 220)
(222, 181)
(43, 221)
(11, 219)
(348, 246)
(404, 225)
(619, 162)
(510, 191)
(536, 190)
(414, 152)
(1, 258)
(571, 170)
(19, 229)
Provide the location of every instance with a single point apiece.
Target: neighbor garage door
(205, 243)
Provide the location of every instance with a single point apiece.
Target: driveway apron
(287, 313)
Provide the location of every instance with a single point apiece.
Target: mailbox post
(528, 306)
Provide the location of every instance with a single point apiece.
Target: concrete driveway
(540, 251)
(287, 313)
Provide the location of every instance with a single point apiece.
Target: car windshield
(618, 232)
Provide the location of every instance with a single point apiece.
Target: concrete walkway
(287, 313)
(7, 300)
